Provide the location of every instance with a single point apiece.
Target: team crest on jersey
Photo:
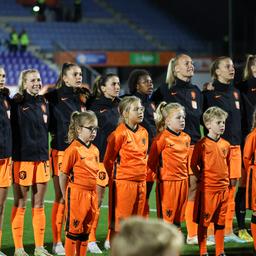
(143, 141)
(22, 175)
(187, 144)
(168, 213)
(236, 95)
(102, 175)
(224, 152)
(43, 107)
(76, 223)
(193, 95)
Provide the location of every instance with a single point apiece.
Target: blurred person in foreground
(148, 237)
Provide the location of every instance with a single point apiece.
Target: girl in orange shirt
(168, 157)
(126, 163)
(78, 181)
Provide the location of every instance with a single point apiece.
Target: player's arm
(154, 153)
(196, 160)
(249, 148)
(115, 141)
(68, 163)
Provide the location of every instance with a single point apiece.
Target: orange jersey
(169, 153)
(210, 161)
(126, 154)
(81, 164)
(250, 150)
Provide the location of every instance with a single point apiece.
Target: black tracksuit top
(107, 113)
(189, 96)
(30, 119)
(227, 98)
(5, 125)
(63, 102)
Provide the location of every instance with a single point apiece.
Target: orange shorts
(191, 149)
(80, 209)
(251, 189)
(56, 158)
(126, 198)
(211, 207)
(102, 176)
(235, 162)
(172, 198)
(5, 172)
(29, 173)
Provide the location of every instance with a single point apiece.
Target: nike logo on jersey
(103, 110)
(83, 157)
(63, 98)
(173, 93)
(217, 96)
(25, 108)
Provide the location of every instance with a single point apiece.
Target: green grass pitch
(8, 247)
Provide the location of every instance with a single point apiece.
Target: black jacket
(227, 98)
(248, 100)
(108, 116)
(189, 96)
(5, 124)
(29, 119)
(63, 102)
(148, 121)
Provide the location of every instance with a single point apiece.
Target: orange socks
(92, 236)
(57, 220)
(202, 239)
(17, 221)
(230, 211)
(70, 247)
(253, 230)
(38, 220)
(191, 225)
(219, 239)
(0, 239)
(146, 209)
(81, 248)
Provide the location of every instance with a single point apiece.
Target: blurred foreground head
(147, 237)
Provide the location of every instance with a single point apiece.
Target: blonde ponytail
(250, 61)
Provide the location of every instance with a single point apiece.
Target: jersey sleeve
(154, 154)
(249, 148)
(196, 159)
(114, 143)
(69, 160)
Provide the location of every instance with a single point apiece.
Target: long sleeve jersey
(189, 96)
(227, 98)
(5, 124)
(29, 119)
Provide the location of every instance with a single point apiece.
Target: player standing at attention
(178, 88)
(78, 181)
(30, 155)
(126, 163)
(210, 163)
(225, 96)
(248, 96)
(105, 105)
(249, 164)
(141, 85)
(5, 147)
(63, 101)
(168, 158)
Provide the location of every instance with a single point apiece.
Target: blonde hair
(22, 79)
(77, 120)
(214, 112)
(148, 237)
(125, 105)
(250, 61)
(215, 65)
(171, 75)
(163, 111)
